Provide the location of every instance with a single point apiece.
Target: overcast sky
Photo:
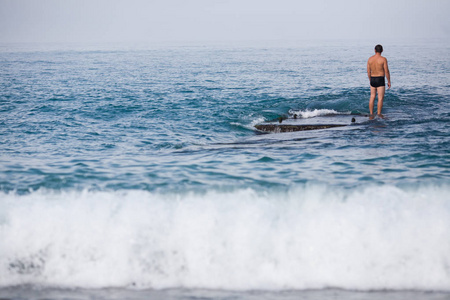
(220, 20)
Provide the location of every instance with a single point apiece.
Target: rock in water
(292, 128)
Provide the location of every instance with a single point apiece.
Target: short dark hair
(378, 48)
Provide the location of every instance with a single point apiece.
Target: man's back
(377, 65)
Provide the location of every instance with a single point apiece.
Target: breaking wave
(316, 112)
(312, 236)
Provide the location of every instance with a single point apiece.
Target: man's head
(378, 48)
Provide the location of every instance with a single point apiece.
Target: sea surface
(136, 172)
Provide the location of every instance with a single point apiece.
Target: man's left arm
(388, 75)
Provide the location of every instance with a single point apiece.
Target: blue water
(141, 168)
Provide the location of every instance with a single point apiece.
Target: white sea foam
(316, 112)
(309, 237)
(251, 125)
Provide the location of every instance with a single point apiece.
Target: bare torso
(376, 66)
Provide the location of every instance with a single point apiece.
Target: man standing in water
(377, 69)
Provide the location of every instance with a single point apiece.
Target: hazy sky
(220, 20)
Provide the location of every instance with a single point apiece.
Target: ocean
(136, 172)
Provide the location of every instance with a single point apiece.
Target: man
(377, 69)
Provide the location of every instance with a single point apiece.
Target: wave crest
(308, 237)
(316, 112)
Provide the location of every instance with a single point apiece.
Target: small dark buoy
(280, 119)
(353, 120)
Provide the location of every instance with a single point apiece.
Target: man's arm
(388, 75)
(368, 69)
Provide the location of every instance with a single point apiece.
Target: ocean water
(137, 173)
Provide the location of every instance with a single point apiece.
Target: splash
(305, 114)
(308, 237)
(251, 125)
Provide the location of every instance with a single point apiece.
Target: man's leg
(380, 91)
(373, 93)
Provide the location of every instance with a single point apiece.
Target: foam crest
(251, 125)
(316, 112)
(308, 237)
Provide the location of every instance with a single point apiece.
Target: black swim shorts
(377, 81)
